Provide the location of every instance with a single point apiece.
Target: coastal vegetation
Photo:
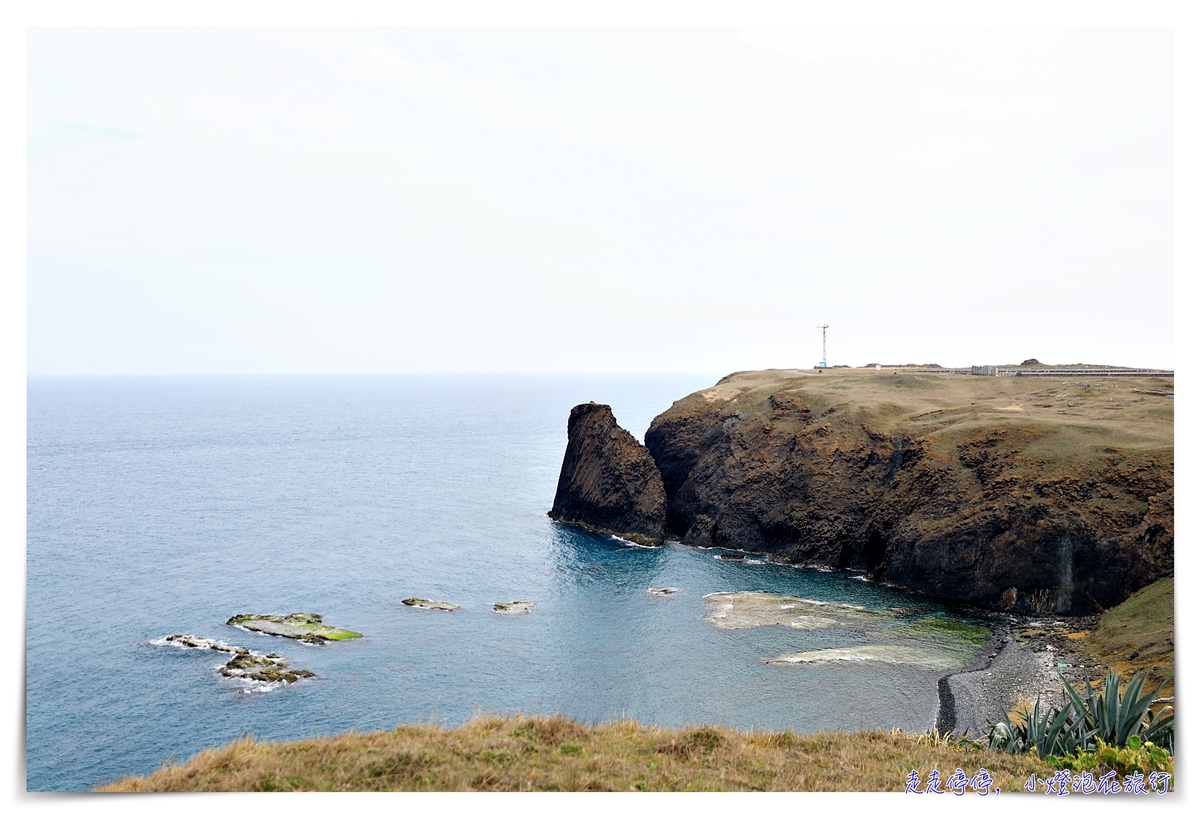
(1139, 635)
(540, 753)
(1113, 729)
(1114, 726)
(1119, 725)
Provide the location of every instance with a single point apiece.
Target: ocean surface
(161, 505)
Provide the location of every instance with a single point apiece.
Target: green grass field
(1139, 634)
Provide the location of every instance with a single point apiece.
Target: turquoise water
(164, 505)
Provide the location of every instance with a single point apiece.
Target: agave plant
(1087, 719)
(1006, 736)
(1113, 717)
(1161, 729)
(1047, 732)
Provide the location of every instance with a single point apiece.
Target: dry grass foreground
(505, 753)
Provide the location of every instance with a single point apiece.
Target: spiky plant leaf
(1161, 729)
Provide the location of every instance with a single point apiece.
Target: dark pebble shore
(1019, 663)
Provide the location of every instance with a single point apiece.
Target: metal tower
(823, 327)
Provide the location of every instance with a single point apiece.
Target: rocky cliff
(1009, 493)
(608, 481)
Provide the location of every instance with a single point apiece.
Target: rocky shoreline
(1021, 662)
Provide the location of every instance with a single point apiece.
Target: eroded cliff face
(608, 480)
(974, 490)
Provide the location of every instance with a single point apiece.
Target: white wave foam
(252, 686)
(186, 641)
(631, 543)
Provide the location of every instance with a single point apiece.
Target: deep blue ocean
(159, 505)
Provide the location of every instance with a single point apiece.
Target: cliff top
(1086, 417)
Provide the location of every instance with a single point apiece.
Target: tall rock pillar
(609, 482)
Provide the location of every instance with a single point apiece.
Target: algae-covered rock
(519, 606)
(245, 664)
(940, 630)
(430, 605)
(306, 627)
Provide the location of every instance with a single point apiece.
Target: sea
(164, 505)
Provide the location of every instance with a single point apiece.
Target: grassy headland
(552, 753)
(1080, 420)
(1041, 495)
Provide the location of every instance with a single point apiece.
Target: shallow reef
(520, 606)
(752, 609)
(245, 663)
(429, 604)
(933, 658)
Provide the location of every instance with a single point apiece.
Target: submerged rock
(262, 668)
(931, 658)
(186, 640)
(306, 627)
(245, 664)
(663, 591)
(429, 604)
(753, 609)
(609, 482)
(932, 642)
(519, 606)
(938, 630)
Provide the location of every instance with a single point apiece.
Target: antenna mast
(823, 327)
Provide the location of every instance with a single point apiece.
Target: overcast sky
(508, 200)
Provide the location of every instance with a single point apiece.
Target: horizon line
(530, 373)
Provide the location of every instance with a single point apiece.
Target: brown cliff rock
(1008, 493)
(609, 482)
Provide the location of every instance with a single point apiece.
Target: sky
(597, 200)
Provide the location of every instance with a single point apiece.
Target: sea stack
(609, 482)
